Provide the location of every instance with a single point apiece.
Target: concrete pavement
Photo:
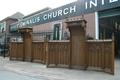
(36, 70)
(117, 69)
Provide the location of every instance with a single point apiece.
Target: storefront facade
(53, 20)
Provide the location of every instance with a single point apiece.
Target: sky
(9, 7)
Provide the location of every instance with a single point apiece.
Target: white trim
(96, 26)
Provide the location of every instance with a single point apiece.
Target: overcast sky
(9, 7)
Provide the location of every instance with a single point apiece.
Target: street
(17, 70)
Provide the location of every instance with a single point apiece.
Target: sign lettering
(77, 8)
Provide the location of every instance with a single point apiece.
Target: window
(2, 27)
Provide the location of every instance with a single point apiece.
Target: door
(56, 35)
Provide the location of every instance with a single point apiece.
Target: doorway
(108, 26)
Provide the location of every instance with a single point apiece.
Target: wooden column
(27, 43)
(113, 55)
(46, 51)
(78, 43)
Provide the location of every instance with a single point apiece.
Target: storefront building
(102, 18)
(5, 26)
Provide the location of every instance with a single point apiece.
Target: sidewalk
(39, 70)
(117, 69)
